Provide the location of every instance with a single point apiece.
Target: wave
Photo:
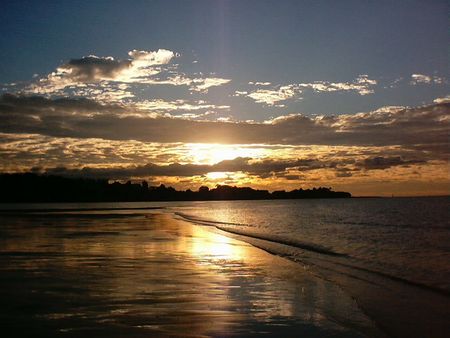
(206, 221)
(270, 238)
(328, 259)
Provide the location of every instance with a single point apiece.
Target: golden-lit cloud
(423, 127)
(92, 120)
(355, 168)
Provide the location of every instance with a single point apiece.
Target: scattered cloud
(362, 85)
(445, 99)
(110, 79)
(94, 69)
(417, 79)
(98, 116)
(203, 84)
(160, 105)
(258, 83)
(271, 97)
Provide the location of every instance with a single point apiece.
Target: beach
(199, 168)
(148, 274)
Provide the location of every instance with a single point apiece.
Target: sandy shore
(154, 276)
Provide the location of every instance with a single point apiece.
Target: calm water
(111, 274)
(406, 238)
(90, 269)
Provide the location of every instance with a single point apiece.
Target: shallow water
(390, 255)
(140, 275)
(407, 238)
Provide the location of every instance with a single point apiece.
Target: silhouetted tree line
(43, 188)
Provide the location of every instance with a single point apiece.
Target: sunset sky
(352, 95)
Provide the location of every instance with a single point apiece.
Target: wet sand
(154, 276)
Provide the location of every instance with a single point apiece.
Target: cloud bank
(426, 127)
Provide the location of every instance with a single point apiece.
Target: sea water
(403, 238)
(389, 254)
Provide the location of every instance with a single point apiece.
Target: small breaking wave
(270, 238)
(336, 262)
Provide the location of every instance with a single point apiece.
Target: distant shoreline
(33, 188)
(408, 196)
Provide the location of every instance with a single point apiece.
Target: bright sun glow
(212, 248)
(217, 175)
(205, 153)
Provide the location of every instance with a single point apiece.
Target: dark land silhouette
(29, 187)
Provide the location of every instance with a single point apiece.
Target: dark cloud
(343, 173)
(93, 68)
(425, 127)
(380, 162)
(262, 169)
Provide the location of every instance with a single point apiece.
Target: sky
(275, 95)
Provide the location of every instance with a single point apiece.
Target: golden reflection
(211, 247)
(165, 276)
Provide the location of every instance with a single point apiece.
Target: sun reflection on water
(212, 248)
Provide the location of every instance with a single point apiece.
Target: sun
(217, 175)
(212, 153)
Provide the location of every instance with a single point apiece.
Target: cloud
(23, 151)
(363, 85)
(445, 99)
(420, 78)
(190, 165)
(143, 59)
(257, 83)
(425, 126)
(90, 74)
(380, 162)
(263, 168)
(142, 64)
(417, 79)
(94, 69)
(203, 84)
(271, 97)
(159, 105)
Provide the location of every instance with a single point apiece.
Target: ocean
(402, 238)
(390, 256)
